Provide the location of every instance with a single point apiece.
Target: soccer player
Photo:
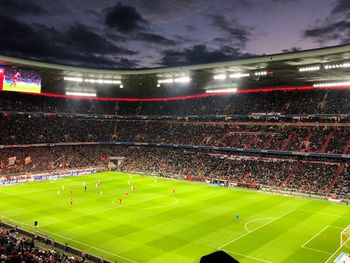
(120, 200)
(101, 193)
(174, 191)
(237, 216)
(71, 202)
(133, 188)
(62, 187)
(36, 224)
(85, 188)
(71, 192)
(127, 193)
(14, 79)
(58, 193)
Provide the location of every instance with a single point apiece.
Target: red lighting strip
(196, 96)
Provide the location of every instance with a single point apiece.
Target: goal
(345, 237)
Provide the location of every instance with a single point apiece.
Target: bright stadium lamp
(74, 79)
(238, 75)
(227, 90)
(182, 80)
(161, 81)
(81, 94)
(220, 77)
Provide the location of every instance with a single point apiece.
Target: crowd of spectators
(16, 248)
(291, 102)
(302, 175)
(26, 129)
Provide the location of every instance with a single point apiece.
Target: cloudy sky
(157, 33)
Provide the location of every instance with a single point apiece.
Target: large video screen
(20, 80)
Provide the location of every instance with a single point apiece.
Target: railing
(54, 244)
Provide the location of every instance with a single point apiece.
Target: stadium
(209, 153)
(249, 157)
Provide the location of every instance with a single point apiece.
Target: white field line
(313, 237)
(269, 222)
(335, 252)
(317, 250)
(75, 241)
(251, 221)
(86, 245)
(246, 256)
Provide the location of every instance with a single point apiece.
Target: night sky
(158, 33)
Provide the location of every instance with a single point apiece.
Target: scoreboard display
(20, 80)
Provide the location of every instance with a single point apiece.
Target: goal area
(345, 237)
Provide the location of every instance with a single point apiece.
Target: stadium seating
(297, 174)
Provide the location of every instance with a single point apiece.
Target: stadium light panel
(260, 73)
(103, 81)
(220, 77)
(74, 79)
(121, 86)
(161, 81)
(238, 75)
(309, 68)
(182, 80)
(231, 90)
(340, 65)
(81, 94)
(332, 84)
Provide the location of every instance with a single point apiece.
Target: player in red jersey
(14, 79)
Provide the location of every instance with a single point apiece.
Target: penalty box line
(246, 256)
(316, 235)
(67, 238)
(269, 222)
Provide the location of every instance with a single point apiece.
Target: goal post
(345, 237)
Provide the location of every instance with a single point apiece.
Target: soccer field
(154, 225)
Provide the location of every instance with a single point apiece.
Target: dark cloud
(334, 27)
(292, 49)
(21, 7)
(88, 41)
(341, 6)
(190, 28)
(76, 46)
(155, 39)
(124, 18)
(236, 34)
(329, 31)
(199, 54)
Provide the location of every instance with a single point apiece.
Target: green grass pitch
(154, 225)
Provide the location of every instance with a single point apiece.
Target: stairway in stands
(291, 174)
(336, 176)
(286, 143)
(346, 146)
(340, 167)
(307, 140)
(329, 137)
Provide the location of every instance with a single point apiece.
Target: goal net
(345, 237)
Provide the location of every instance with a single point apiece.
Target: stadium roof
(286, 69)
